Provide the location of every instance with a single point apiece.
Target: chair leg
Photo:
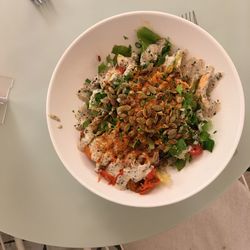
(2, 243)
(19, 244)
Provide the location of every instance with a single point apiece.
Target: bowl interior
(80, 62)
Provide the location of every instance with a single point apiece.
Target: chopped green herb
(122, 50)
(147, 37)
(87, 81)
(139, 129)
(102, 68)
(94, 113)
(208, 145)
(128, 77)
(193, 119)
(206, 126)
(103, 126)
(99, 96)
(86, 123)
(180, 164)
(164, 52)
(189, 101)
(179, 89)
(176, 149)
(126, 92)
(181, 145)
(204, 136)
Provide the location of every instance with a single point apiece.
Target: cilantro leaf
(99, 96)
(179, 89)
(180, 164)
(102, 68)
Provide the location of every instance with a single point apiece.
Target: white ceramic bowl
(79, 62)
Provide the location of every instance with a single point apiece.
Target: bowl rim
(237, 134)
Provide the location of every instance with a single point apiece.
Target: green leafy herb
(176, 149)
(102, 68)
(147, 37)
(87, 81)
(128, 77)
(126, 92)
(94, 113)
(164, 52)
(192, 119)
(180, 164)
(103, 126)
(99, 96)
(208, 145)
(139, 129)
(86, 123)
(181, 145)
(189, 101)
(179, 89)
(122, 50)
(204, 136)
(206, 126)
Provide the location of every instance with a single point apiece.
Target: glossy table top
(40, 201)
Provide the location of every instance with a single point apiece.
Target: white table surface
(40, 201)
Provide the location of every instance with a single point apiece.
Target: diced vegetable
(196, 150)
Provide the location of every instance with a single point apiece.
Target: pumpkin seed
(152, 89)
(172, 133)
(157, 107)
(110, 89)
(141, 120)
(122, 115)
(149, 122)
(123, 108)
(172, 118)
(141, 95)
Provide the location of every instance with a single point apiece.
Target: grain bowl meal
(148, 108)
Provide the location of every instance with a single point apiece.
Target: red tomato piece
(196, 150)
